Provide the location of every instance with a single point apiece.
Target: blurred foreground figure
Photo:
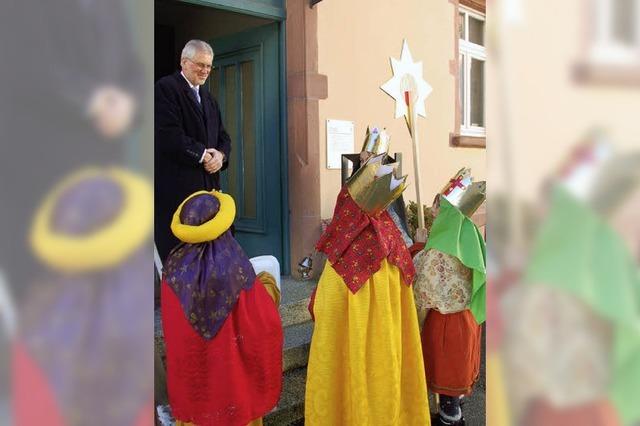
(69, 97)
(450, 283)
(221, 324)
(73, 359)
(572, 341)
(365, 363)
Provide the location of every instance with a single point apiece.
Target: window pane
(476, 31)
(461, 24)
(248, 140)
(477, 92)
(463, 87)
(624, 13)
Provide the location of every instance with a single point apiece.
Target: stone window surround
(455, 138)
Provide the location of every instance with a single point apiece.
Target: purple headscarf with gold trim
(72, 331)
(207, 277)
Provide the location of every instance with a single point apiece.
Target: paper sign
(340, 140)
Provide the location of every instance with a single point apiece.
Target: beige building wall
(535, 97)
(355, 40)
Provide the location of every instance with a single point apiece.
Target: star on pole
(410, 90)
(407, 86)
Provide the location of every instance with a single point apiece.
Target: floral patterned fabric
(356, 243)
(560, 348)
(455, 234)
(442, 282)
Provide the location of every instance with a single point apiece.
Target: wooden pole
(421, 232)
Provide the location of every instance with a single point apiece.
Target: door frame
(257, 8)
(278, 14)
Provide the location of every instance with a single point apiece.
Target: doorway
(247, 83)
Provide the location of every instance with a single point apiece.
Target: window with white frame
(616, 38)
(472, 56)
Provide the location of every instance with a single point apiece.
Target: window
(472, 56)
(611, 55)
(616, 33)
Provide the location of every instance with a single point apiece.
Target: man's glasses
(201, 65)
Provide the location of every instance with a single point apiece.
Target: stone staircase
(298, 328)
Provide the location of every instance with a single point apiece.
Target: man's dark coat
(183, 129)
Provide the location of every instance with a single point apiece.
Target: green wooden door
(245, 81)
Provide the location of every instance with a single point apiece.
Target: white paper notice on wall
(340, 140)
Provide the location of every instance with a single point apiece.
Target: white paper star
(407, 85)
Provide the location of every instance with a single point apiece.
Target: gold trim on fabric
(106, 247)
(209, 230)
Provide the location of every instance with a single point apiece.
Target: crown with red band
(463, 193)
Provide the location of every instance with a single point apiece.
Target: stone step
(297, 340)
(295, 301)
(290, 408)
(294, 290)
(295, 313)
(158, 337)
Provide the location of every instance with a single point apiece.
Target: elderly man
(191, 144)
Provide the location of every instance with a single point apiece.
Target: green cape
(455, 234)
(576, 251)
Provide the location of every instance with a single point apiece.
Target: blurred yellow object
(269, 283)
(497, 407)
(110, 245)
(365, 363)
(209, 230)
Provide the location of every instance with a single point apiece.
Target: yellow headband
(209, 230)
(106, 247)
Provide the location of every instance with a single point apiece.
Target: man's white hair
(194, 46)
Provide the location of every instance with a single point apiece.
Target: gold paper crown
(463, 193)
(473, 198)
(458, 181)
(615, 182)
(373, 187)
(376, 141)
